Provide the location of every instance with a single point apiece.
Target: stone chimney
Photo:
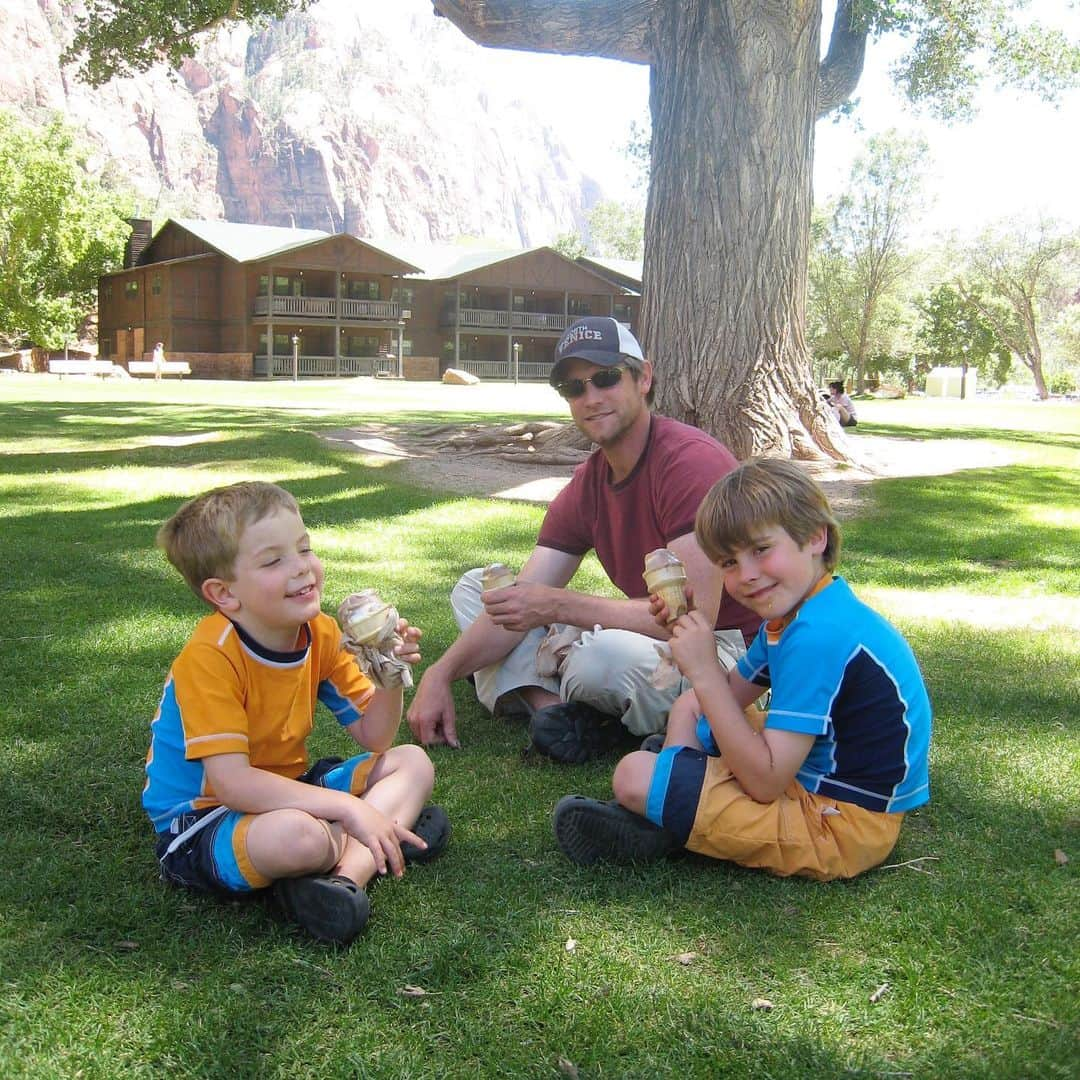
(142, 230)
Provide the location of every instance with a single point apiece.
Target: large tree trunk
(727, 225)
(736, 87)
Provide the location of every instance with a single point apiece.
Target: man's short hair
(203, 537)
(601, 340)
(759, 493)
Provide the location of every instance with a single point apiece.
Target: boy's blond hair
(759, 493)
(202, 538)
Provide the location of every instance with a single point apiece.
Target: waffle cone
(674, 595)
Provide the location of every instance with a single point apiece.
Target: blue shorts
(675, 790)
(207, 850)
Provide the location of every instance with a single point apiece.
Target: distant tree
(735, 90)
(569, 244)
(638, 149)
(1067, 334)
(955, 333)
(1020, 277)
(616, 230)
(58, 231)
(859, 263)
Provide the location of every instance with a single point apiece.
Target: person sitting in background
(842, 406)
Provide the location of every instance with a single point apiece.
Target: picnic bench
(168, 367)
(80, 367)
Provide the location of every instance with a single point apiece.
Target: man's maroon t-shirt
(654, 505)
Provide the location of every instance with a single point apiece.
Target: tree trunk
(734, 99)
(736, 87)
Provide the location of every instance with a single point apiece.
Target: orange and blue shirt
(227, 694)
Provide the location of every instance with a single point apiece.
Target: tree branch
(614, 29)
(842, 67)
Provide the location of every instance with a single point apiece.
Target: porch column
(509, 331)
(337, 323)
(270, 322)
(457, 324)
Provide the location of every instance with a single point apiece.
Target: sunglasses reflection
(602, 380)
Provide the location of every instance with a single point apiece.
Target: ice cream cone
(496, 576)
(363, 617)
(665, 576)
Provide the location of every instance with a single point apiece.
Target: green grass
(106, 973)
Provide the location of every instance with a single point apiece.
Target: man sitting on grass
(638, 491)
(228, 786)
(821, 790)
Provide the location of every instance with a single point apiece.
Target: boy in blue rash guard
(229, 788)
(820, 790)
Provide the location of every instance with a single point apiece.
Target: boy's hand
(380, 835)
(409, 649)
(659, 610)
(693, 647)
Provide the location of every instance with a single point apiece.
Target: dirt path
(478, 460)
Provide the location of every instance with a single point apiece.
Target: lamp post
(400, 348)
(296, 358)
(963, 369)
(517, 360)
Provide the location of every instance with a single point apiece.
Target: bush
(1061, 382)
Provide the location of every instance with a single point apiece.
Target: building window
(106, 291)
(287, 286)
(578, 307)
(363, 290)
(406, 347)
(155, 285)
(403, 294)
(621, 312)
(362, 345)
(264, 285)
(282, 344)
(131, 289)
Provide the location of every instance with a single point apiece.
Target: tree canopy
(58, 231)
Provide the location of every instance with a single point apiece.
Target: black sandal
(329, 907)
(589, 831)
(432, 826)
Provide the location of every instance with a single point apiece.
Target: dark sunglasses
(604, 379)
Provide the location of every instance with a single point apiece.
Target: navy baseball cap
(598, 339)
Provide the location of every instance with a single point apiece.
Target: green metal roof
(247, 243)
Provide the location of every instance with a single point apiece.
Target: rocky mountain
(379, 119)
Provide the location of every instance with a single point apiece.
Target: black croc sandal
(329, 907)
(432, 826)
(589, 831)
(573, 733)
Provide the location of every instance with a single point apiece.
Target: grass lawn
(503, 959)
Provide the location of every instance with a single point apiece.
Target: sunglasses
(604, 379)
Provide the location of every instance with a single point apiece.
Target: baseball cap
(598, 339)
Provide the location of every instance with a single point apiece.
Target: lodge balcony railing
(493, 319)
(327, 307)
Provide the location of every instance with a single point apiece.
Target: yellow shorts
(697, 796)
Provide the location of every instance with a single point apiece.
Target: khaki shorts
(696, 796)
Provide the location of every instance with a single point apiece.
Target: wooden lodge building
(245, 301)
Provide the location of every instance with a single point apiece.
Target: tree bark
(734, 99)
(734, 96)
